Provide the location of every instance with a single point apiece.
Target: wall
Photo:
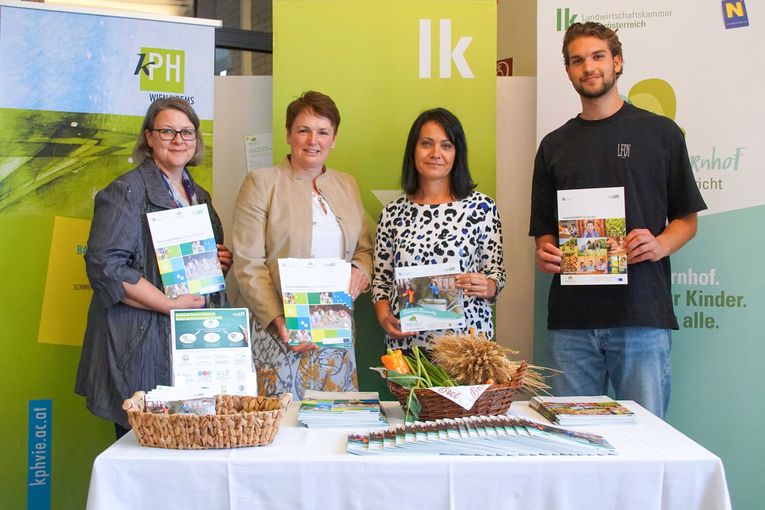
(516, 146)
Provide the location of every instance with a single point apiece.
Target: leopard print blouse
(410, 234)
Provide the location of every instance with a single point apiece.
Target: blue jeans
(635, 360)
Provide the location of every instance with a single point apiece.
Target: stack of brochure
(569, 411)
(172, 400)
(342, 409)
(478, 435)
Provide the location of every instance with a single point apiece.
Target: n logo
(161, 70)
(734, 14)
(445, 53)
(565, 19)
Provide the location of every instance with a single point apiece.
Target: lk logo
(564, 19)
(161, 70)
(445, 53)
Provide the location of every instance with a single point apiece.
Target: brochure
(172, 400)
(591, 233)
(211, 350)
(478, 435)
(186, 251)
(317, 305)
(341, 409)
(428, 297)
(587, 410)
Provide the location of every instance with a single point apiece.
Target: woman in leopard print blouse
(440, 219)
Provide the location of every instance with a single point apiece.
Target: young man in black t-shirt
(614, 333)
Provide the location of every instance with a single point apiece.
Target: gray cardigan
(127, 349)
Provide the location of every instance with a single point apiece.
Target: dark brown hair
(461, 182)
(317, 103)
(592, 29)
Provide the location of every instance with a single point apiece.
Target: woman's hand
(225, 257)
(280, 326)
(187, 301)
(476, 285)
(146, 296)
(389, 322)
(359, 282)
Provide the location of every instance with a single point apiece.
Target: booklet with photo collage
(581, 410)
(186, 251)
(591, 233)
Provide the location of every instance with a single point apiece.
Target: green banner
(383, 63)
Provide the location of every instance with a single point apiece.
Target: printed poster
(428, 297)
(211, 350)
(591, 233)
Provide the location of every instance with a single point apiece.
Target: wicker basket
(495, 400)
(239, 421)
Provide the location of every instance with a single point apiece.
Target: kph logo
(161, 70)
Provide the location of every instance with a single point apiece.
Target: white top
(327, 236)
(656, 468)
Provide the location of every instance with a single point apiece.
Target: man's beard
(606, 86)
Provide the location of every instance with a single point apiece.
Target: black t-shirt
(646, 154)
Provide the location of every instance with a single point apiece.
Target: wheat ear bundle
(475, 360)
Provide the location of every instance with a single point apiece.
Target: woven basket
(239, 421)
(494, 401)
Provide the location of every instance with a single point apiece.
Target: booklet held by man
(428, 297)
(591, 233)
(186, 251)
(317, 305)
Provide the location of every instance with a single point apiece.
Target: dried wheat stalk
(476, 360)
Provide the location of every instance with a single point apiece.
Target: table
(657, 467)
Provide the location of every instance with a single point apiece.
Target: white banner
(700, 64)
(102, 64)
(682, 62)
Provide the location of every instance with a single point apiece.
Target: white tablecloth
(657, 467)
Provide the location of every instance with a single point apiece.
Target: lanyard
(187, 186)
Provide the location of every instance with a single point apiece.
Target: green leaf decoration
(405, 380)
(413, 407)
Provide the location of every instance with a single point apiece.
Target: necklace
(321, 202)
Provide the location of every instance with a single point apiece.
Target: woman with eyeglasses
(126, 346)
(299, 209)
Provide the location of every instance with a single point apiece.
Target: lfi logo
(564, 19)
(734, 14)
(161, 70)
(445, 53)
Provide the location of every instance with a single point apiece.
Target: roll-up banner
(74, 88)
(698, 63)
(383, 63)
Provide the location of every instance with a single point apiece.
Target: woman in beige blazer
(299, 209)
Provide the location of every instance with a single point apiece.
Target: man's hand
(548, 255)
(641, 245)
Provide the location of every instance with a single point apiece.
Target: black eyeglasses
(168, 134)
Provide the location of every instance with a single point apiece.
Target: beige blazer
(273, 219)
